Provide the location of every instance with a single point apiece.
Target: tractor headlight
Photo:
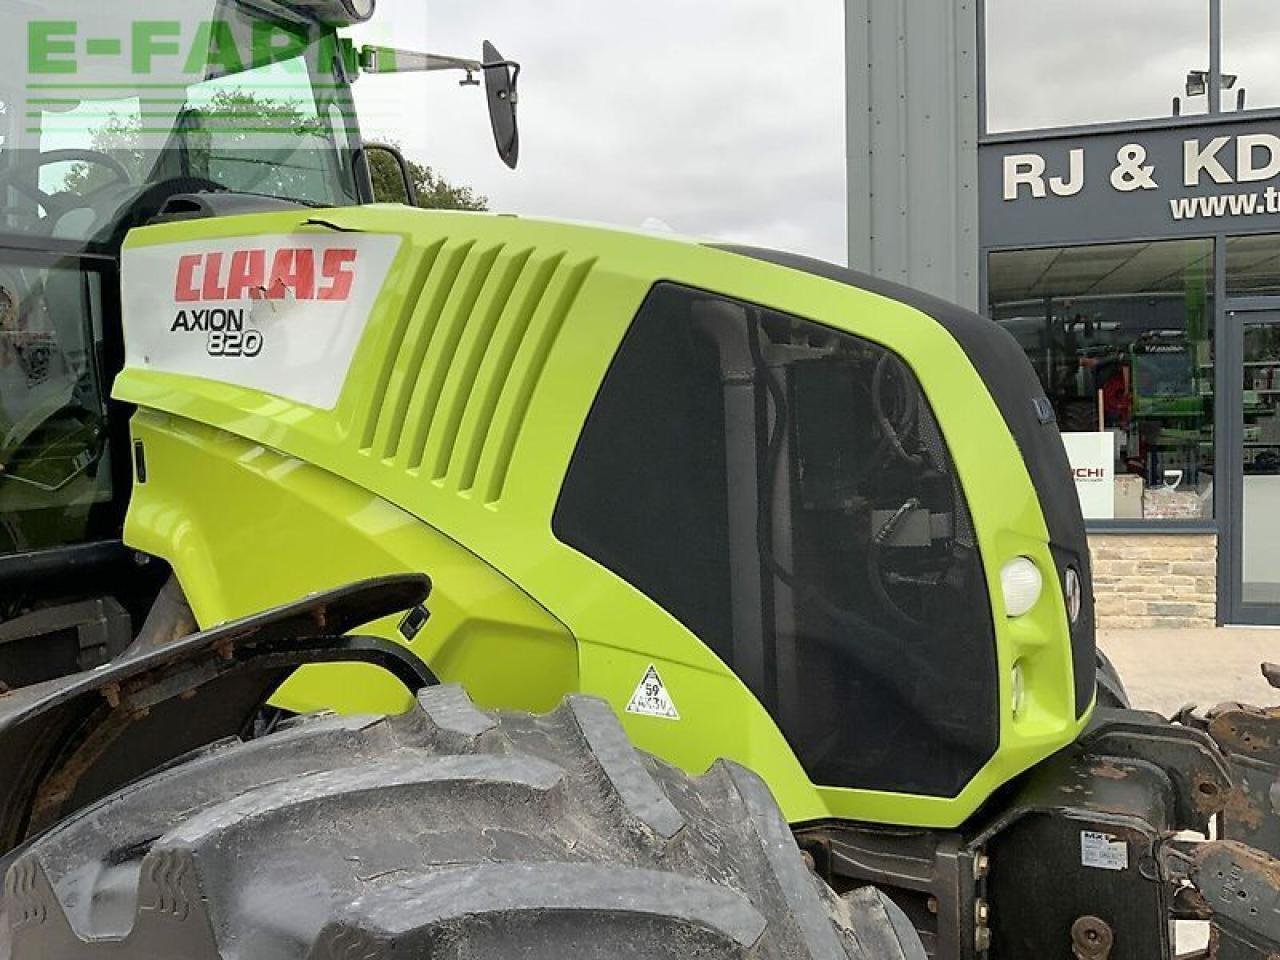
(1021, 583)
(1073, 592)
(1017, 690)
(337, 13)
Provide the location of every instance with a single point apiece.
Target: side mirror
(500, 77)
(390, 175)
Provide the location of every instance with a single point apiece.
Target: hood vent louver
(461, 365)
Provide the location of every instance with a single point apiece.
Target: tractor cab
(113, 116)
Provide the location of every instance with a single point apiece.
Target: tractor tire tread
(448, 832)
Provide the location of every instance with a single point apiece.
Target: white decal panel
(651, 698)
(282, 314)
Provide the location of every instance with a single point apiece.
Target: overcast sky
(722, 118)
(725, 118)
(1086, 61)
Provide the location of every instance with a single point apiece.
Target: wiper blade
(312, 204)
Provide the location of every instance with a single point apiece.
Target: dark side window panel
(59, 477)
(1014, 387)
(783, 490)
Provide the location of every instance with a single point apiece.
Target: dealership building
(1126, 233)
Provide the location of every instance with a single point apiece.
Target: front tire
(449, 832)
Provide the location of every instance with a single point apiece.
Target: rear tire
(449, 832)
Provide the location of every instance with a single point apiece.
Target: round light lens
(336, 13)
(1021, 583)
(1073, 591)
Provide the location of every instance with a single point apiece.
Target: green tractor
(765, 581)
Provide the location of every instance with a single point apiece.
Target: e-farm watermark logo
(157, 48)
(120, 85)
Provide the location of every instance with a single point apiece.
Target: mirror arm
(374, 60)
(408, 61)
(471, 66)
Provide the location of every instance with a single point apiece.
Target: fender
(69, 742)
(245, 527)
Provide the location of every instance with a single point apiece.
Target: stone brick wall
(1154, 580)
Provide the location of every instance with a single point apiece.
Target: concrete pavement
(1164, 669)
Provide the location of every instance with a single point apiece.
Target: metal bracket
(1250, 739)
(1189, 757)
(1239, 888)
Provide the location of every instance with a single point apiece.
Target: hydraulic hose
(910, 414)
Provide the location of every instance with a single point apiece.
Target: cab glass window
(783, 490)
(55, 468)
(211, 94)
(260, 131)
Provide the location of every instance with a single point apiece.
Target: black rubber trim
(70, 561)
(1017, 392)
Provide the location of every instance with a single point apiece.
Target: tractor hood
(395, 378)
(66, 743)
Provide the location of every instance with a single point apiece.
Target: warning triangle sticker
(651, 698)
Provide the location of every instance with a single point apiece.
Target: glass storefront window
(1121, 336)
(1091, 61)
(1253, 266)
(1260, 460)
(1253, 270)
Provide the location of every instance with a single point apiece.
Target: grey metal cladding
(912, 122)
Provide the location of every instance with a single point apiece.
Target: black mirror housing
(500, 79)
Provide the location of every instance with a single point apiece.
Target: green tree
(434, 191)
(118, 136)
